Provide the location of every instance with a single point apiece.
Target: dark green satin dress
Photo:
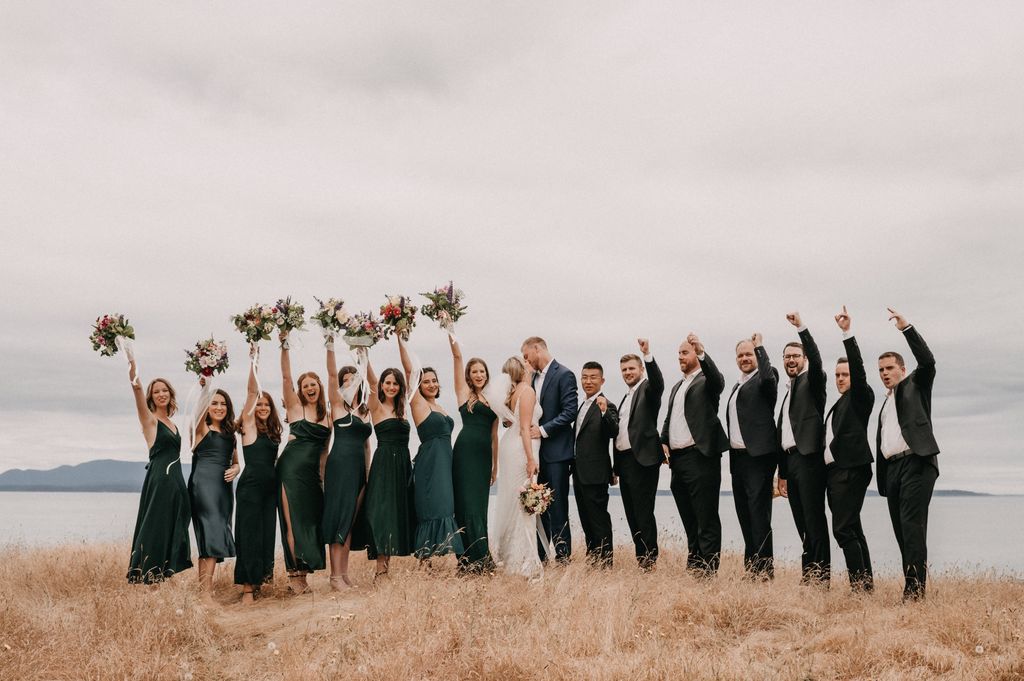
(436, 531)
(471, 480)
(160, 544)
(344, 479)
(298, 477)
(211, 497)
(390, 508)
(256, 513)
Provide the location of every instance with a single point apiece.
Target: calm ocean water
(971, 534)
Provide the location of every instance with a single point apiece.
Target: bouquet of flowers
(106, 332)
(209, 357)
(535, 498)
(363, 331)
(399, 316)
(256, 323)
(445, 306)
(332, 317)
(289, 315)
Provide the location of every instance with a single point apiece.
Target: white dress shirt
(583, 411)
(735, 437)
(538, 385)
(892, 435)
(622, 439)
(829, 435)
(788, 438)
(679, 435)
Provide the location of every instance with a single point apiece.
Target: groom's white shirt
(539, 385)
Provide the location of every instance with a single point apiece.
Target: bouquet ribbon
(127, 346)
(254, 364)
(361, 359)
(195, 404)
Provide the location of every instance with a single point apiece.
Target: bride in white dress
(513, 532)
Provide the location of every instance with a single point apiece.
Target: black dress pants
(639, 488)
(806, 490)
(908, 489)
(846, 489)
(592, 504)
(556, 519)
(696, 486)
(752, 482)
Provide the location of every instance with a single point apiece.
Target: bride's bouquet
(288, 315)
(399, 316)
(332, 317)
(535, 498)
(256, 323)
(108, 334)
(208, 358)
(445, 306)
(363, 331)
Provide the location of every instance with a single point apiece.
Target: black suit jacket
(806, 405)
(701, 410)
(643, 417)
(850, 414)
(913, 397)
(558, 406)
(755, 407)
(593, 463)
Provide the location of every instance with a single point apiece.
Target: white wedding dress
(513, 532)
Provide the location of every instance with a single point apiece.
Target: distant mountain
(103, 475)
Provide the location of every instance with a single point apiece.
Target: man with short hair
(802, 446)
(848, 457)
(555, 386)
(693, 441)
(754, 453)
(596, 424)
(907, 452)
(638, 454)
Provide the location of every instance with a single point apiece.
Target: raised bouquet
(109, 332)
(256, 323)
(332, 317)
(289, 315)
(208, 358)
(363, 330)
(445, 306)
(398, 315)
(535, 498)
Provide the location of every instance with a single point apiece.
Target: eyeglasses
(792, 356)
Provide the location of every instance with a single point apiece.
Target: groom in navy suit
(556, 391)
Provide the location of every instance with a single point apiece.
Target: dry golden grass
(68, 613)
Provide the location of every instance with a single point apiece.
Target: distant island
(111, 475)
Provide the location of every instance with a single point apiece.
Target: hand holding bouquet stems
(208, 358)
(256, 323)
(106, 333)
(332, 317)
(398, 315)
(363, 330)
(445, 306)
(535, 498)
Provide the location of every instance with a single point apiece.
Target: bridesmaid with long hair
(389, 505)
(256, 495)
(345, 473)
(436, 531)
(160, 543)
(475, 460)
(214, 466)
(300, 471)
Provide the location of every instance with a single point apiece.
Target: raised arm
(416, 399)
(371, 380)
(461, 387)
(924, 375)
(860, 392)
(766, 379)
(815, 367)
(714, 381)
(291, 398)
(146, 418)
(333, 386)
(252, 394)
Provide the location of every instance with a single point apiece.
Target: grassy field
(68, 613)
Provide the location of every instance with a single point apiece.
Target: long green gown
(389, 504)
(298, 477)
(160, 544)
(256, 513)
(344, 479)
(211, 497)
(471, 479)
(436, 531)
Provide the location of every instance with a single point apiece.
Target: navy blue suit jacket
(558, 400)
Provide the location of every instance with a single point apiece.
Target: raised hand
(901, 323)
(843, 320)
(645, 346)
(601, 403)
(282, 336)
(794, 319)
(756, 340)
(698, 347)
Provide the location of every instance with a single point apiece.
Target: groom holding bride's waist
(555, 386)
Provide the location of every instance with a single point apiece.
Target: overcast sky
(589, 172)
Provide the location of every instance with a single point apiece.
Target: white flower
(341, 315)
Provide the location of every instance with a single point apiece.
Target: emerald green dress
(160, 544)
(436, 531)
(211, 497)
(298, 477)
(471, 479)
(390, 508)
(256, 513)
(344, 479)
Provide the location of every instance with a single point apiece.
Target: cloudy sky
(589, 172)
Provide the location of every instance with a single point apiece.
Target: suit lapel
(591, 414)
(548, 379)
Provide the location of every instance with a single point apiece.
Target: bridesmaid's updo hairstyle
(228, 424)
(358, 397)
(271, 427)
(321, 400)
(172, 406)
(423, 374)
(513, 366)
(399, 404)
(474, 394)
